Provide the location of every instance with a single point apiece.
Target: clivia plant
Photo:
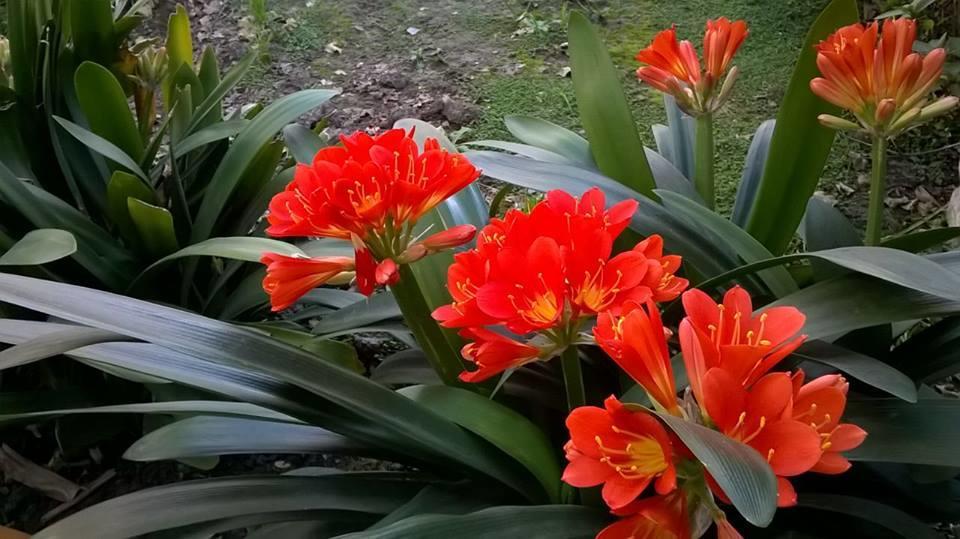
(616, 361)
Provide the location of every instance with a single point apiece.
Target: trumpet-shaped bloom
(372, 190)
(290, 277)
(621, 449)
(820, 403)
(732, 337)
(673, 68)
(637, 343)
(546, 270)
(761, 418)
(655, 517)
(493, 353)
(877, 77)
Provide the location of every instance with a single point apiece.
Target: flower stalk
(703, 159)
(573, 377)
(878, 187)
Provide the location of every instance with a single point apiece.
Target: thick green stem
(878, 189)
(436, 343)
(573, 377)
(703, 159)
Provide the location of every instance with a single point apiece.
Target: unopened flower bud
(939, 107)
(904, 121)
(834, 122)
(388, 272)
(885, 110)
(727, 87)
(412, 254)
(449, 238)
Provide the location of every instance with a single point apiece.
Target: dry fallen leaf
(332, 48)
(17, 468)
(953, 208)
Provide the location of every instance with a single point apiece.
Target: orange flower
(878, 77)
(545, 271)
(733, 338)
(622, 450)
(290, 277)
(636, 341)
(673, 68)
(820, 403)
(372, 191)
(493, 353)
(761, 418)
(656, 517)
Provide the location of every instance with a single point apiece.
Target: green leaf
(124, 186)
(91, 27)
(155, 226)
(891, 518)
(571, 147)
(212, 133)
(377, 308)
(514, 434)
(220, 408)
(434, 499)
(25, 22)
(213, 101)
(355, 406)
(675, 140)
(191, 502)
(741, 472)
(179, 46)
(507, 522)
(864, 368)
(209, 76)
(800, 145)
(249, 249)
(927, 432)
(732, 238)
(753, 167)
(824, 227)
(336, 352)
(102, 146)
(40, 247)
(923, 240)
(54, 344)
(105, 107)
(206, 436)
(932, 354)
(302, 143)
(244, 149)
(850, 302)
(604, 111)
(525, 150)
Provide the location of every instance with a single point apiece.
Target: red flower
(290, 277)
(493, 353)
(720, 43)
(636, 341)
(673, 68)
(878, 77)
(354, 188)
(656, 517)
(736, 340)
(661, 270)
(820, 404)
(372, 191)
(761, 418)
(544, 272)
(621, 449)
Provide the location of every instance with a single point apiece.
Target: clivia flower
(673, 67)
(657, 517)
(621, 449)
(636, 341)
(820, 403)
(372, 191)
(545, 272)
(290, 277)
(878, 78)
(493, 353)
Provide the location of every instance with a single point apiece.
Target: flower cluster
(371, 191)
(543, 273)
(878, 78)
(673, 67)
(728, 352)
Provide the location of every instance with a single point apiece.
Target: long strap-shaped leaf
(407, 426)
(505, 522)
(226, 408)
(800, 145)
(54, 344)
(192, 502)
